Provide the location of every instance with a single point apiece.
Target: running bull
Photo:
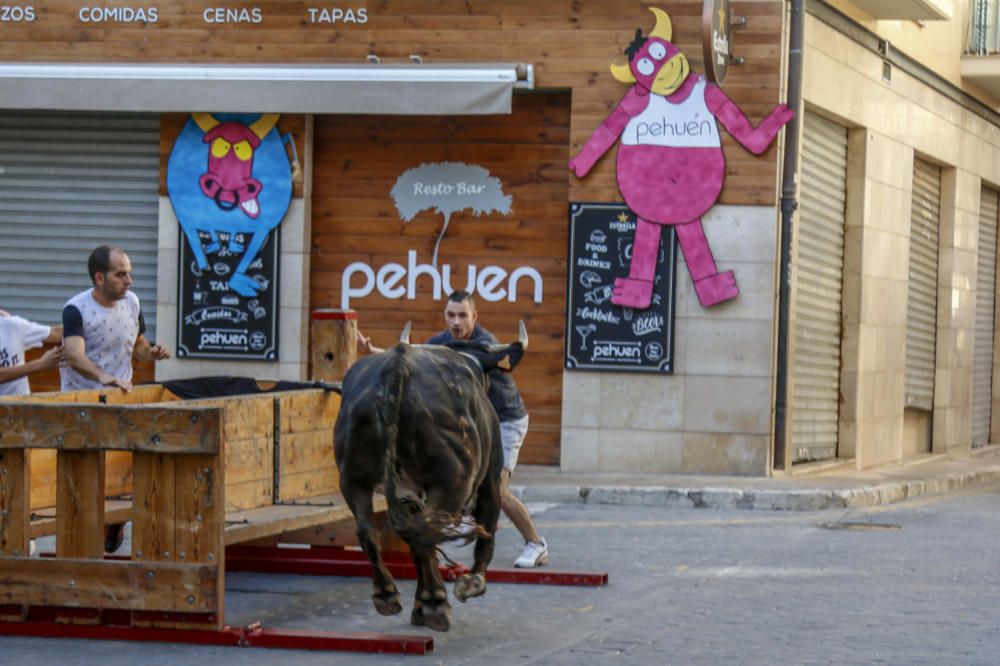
(415, 422)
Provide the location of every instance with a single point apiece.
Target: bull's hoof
(434, 616)
(470, 585)
(387, 601)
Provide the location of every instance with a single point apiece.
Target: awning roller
(413, 89)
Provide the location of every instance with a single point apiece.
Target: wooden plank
(242, 526)
(15, 478)
(250, 460)
(200, 507)
(117, 476)
(153, 521)
(80, 504)
(198, 524)
(139, 395)
(166, 429)
(43, 523)
(81, 583)
(341, 533)
(303, 411)
(307, 465)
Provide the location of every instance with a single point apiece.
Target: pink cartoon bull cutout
(670, 163)
(228, 180)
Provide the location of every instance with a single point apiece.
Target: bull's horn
(206, 121)
(522, 334)
(263, 125)
(405, 335)
(664, 28)
(622, 73)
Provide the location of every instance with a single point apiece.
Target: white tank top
(688, 124)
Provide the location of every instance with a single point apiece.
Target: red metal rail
(252, 636)
(336, 561)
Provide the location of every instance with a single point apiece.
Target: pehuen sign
(396, 281)
(445, 188)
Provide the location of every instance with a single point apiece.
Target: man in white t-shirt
(16, 336)
(103, 327)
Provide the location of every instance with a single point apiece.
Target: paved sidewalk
(840, 489)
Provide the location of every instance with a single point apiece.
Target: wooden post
(80, 504)
(15, 480)
(15, 524)
(333, 343)
(80, 515)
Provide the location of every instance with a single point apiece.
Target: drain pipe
(789, 203)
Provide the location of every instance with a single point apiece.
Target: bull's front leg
(487, 514)
(385, 595)
(430, 606)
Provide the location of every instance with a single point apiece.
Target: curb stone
(765, 499)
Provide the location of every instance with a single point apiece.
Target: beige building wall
(937, 45)
(892, 122)
(713, 415)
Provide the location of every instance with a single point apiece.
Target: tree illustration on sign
(448, 187)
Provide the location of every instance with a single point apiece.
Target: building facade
(886, 337)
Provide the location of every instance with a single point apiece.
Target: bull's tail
(410, 516)
(394, 380)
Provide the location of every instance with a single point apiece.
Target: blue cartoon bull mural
(229, 178)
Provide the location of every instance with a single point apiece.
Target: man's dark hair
(462, 296)
(100, 260)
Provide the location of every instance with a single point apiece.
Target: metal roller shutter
(819, 270)
(68, 183)
(921, 305)
(982, 367)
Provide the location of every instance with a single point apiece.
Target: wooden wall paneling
(356, 164)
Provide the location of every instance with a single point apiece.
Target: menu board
(216, 322)
(599, 334)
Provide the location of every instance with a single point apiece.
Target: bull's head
(229, 179)
(654, 63)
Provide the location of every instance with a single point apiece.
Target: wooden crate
(200, 474)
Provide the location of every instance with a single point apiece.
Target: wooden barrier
(201, 474)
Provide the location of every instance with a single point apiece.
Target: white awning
(413, 89)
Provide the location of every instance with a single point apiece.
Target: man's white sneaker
(533, 555)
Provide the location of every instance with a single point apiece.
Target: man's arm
(365, 345)
(147, 352)
(50, 359)
(55, 335)
(76, 356)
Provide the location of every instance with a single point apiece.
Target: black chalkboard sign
(599, 334)
(213, 321)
